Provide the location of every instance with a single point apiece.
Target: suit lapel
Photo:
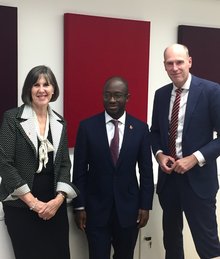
(193, 97)
(56, 130)
(160, 118)
(127, 138)
(164, 111)
(28, 125)
(102, 136)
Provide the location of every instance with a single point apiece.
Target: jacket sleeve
(63, 183)
(11, 179)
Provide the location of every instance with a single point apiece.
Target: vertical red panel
(8, 58)
(96, 48)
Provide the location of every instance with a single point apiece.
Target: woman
(35, 171)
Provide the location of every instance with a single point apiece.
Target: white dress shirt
(110, 128)
(182, 111)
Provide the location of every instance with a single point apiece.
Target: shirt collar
(108, 118)
(187, 83)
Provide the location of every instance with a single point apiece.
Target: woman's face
(41, 92)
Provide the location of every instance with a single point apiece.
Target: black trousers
(101, 239)
(177, 197)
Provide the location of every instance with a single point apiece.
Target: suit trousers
(102, 238)
(177, 197)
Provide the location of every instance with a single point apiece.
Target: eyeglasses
(116, 96)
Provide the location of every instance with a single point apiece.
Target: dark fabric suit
(103, 185)
(202, 117)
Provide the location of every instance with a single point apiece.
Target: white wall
(40, 41)
(40, 30)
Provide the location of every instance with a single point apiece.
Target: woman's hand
(51, 207)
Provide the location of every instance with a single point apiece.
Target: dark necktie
(114, 146)
(174, 124)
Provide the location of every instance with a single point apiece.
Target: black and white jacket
(19, 154)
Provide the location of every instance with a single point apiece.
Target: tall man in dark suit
(113, 205)
(188, 182)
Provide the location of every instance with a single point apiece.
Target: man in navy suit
(189, 182)
(113, 203)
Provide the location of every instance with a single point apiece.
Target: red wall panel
(96, 48)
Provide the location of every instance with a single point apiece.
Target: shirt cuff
(199, 156)
(64, 187)
(79, 208)
(158, 151)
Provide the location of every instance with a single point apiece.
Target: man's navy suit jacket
(202, 117)
(103, 185)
